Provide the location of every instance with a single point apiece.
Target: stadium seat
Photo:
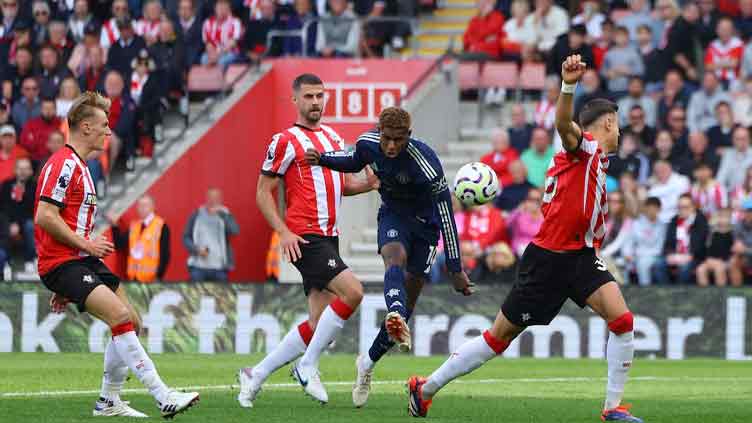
(205, 79)
(233, 72)
(469, 76)
(499, 74)
(532, 76)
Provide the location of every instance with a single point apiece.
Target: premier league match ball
(475, 184)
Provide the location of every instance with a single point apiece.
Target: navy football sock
(394, 291)
(382, 344)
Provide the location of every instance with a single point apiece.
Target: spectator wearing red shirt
(221, 34)
(37, 130)
(501, 157)
(484, 32)
(724, 55)
(9, 152)
(483, 227)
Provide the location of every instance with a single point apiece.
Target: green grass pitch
(62, 388)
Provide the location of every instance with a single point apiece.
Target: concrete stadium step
(424, 52)
(468, 148)
(456, 11)
(370, 277)
(365, 264)
(449, 17)
(449, 27)
(364, 247)
(460, 4)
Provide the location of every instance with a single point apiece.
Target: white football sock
(619, 353)
(367, 363)
(115, 372)
(291, 347)
(329, 325)
(134, 355)
(468, 357)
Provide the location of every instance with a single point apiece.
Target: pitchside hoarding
(210, 318)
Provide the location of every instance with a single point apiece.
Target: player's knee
(394, 255)
(119, 315)
(622, 324)
(355, 295)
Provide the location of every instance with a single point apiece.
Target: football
(475, 184)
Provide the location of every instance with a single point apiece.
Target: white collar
(147, 220)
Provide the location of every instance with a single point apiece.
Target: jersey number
(550, 188)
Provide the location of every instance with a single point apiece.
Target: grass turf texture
(510, 391)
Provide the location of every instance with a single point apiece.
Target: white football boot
(249, 387)
(310, 379)
(177, 402)
(112, 408)
(362, 386)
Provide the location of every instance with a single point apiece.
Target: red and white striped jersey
(717, 52)
(110, 34)
(313, 193)
(147, 28)
(219, 34)
(66, 183)
(574, 200)
(710, 199)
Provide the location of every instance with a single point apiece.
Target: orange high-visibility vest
(143, 250)
(272, 257)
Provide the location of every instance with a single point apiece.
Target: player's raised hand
(290, 246)
(462, 283)
(572, 69)
(372, 179)
(58, 303)
(312, 157)
(101, 247)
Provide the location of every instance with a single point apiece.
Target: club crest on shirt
(402, 178)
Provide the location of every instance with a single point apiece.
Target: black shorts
(76, 279)
(320, 261)
(546, 279)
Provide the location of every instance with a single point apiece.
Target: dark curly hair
(394, 117)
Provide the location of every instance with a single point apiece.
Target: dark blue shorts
(417, 236)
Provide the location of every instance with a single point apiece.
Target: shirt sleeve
(279, 155)
(57, 179)
(346, 161)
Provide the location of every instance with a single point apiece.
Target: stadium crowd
(680, 209)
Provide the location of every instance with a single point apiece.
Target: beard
(314, 115)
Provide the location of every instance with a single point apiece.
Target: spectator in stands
(525, 221)
(80, 56)
(700, 152)
(79, 19)
(677, 125)
(675, 94)
(55, 142)
(618, 232)
(52, 72)
(10, 152)
(148, 26)
(519, 41)
(36, 131)
(189, 31)
(538, 157)
(735, 160)
(601, 45)
(121, 54)
(709, 196)
(257, 30)
(147, 241)
(94, 71)
(639, 15)
(622, 62)
(666, 149)
(496, 264)
(292, 46)
(520, 129)
(741, 259)
(483, 35)
(636, 97)
(484, 227)
(514, 194)
(40, 30)
(17, 203)
(592, 18)
(655, 68)
(685, 245)
(69, 91)
(645, 244)
(724, 55)
(720, 243)
(9, 10)
(708, 22)
(379, 34)
(644, 134)
(740, 193)
(207, 239)
(22, 69)
(110, 30)
(667, 186)
(221, 34)
(28, 106)
(720, 135)
(742, 106)
(121, 118)
(591, 88)
(60, 42)
(338, 33)
(168, 54)
(744, 20)
(147, 92)
(545, 110)
(573, 42)
(679, 36)
(629, 159)
(501, 157)
(548, 21)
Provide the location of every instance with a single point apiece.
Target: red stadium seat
(499, 74)
(233, 72)
(532, 76)
(469, 77)
(205, 79)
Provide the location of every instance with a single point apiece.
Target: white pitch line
(271, 386)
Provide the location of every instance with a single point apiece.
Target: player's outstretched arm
(571, 71)
(355, 185)
(268, 205)
(48, 218)
(341, 161)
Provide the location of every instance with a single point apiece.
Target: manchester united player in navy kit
(561, 261)
(416, 206)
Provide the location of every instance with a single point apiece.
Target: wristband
(568, 88)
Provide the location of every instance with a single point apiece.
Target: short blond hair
(84, 107)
